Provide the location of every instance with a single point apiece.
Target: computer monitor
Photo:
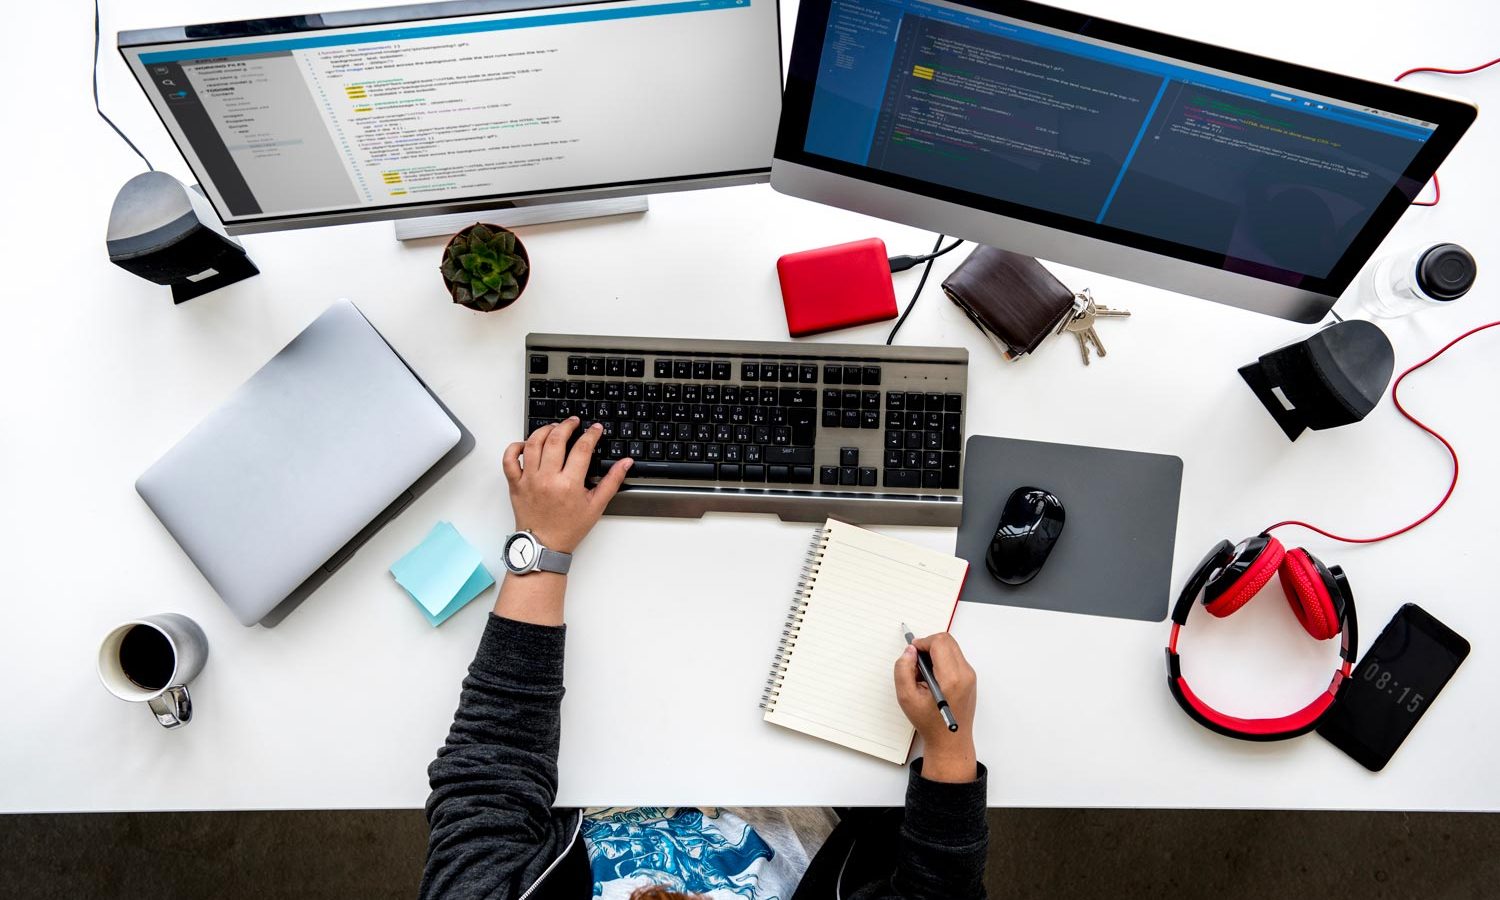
(454, 107)
(1240, 179)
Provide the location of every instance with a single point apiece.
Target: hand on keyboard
(546, 475)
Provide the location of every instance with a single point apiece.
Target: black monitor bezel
(1453, 118)
(131, 43)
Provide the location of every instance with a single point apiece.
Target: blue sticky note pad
(442, 573)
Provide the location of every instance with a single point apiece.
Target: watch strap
(553, 561)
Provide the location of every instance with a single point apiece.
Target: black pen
(924, 665)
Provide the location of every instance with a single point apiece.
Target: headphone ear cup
(1308, 594)
(1246, 582)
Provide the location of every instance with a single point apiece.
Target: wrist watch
(525, 554)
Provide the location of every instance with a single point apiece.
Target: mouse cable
(100, 111)
(1437, 189)
(1396, 399)
(906, 262)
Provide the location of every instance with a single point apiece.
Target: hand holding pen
(940, 702)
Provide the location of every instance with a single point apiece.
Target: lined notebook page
(836, 679)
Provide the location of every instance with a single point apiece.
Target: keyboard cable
(97, 108)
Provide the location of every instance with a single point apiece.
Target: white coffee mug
(151, 660)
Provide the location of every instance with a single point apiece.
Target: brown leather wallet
(1012, 298)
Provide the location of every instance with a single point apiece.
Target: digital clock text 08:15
(1401, 694)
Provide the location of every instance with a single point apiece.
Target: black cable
(96, 95)
(902, 263)
(926, 270)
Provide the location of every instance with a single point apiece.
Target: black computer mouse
(1029, 525)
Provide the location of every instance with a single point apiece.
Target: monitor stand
(522, 212)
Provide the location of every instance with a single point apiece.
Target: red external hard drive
(836, 287)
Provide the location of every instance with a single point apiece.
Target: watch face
(520, 553)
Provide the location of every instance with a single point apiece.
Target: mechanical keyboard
(868, 434)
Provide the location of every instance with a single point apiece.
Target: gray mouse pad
(1114, 556)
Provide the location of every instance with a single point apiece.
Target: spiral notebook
(832, 674)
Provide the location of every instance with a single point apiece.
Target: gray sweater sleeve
(944, 838)
(495, 778)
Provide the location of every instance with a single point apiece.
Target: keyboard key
(635, 449)
(932, 478)
(781, 436)
(576, 366)
(934, 402)
(830, 418)
(768, 396)
(804, 425)
(741, 434)
(932, 440)
(870, 400)
(953, 402)
(710, 393)
(702, 431)
(762, 434)
(915, 420)
(898, 478)
(802, 475)
(749, 371)
(833, 375)
(730, 393)
(695, 452)
(682, 368)
(953, 434)
(871, 419)
(768, 372)
(614, 390)
(895, 400)
(541, 408)
(828, 475)
(851, 400)
(671, 393)
(872, 375)
(594, 390)
(752, 453)
(893, 439)
(733, 453)
(911, 459)
(539, 364)
(653, 392)
(795, 397)
(614, 367)
(722, 370)
(852, 375)
(848, 456)
(807, 374)
(895, 419)
(633, 390)
(595, 365)
(655, 450)
(799, 456)
(755, 473)
(848, 475)
(950, 470)
(915, 402)
(635, 368)
(692, 393)
(893, 459)
(703, 369)
(851, 418)
(713, 452)
(729, 471)
(696, 471)
(674, 450)
(778, 474)
(663, 368)
(533, 424)
(932, 459)
(536, 388)
(867, 476)
(615, 449)
(788, 373)
(833, 398)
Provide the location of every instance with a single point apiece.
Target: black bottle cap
(1446, 272)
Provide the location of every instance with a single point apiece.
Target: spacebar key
(642, 468)
(789, 456)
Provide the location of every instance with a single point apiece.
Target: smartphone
(1392, 686)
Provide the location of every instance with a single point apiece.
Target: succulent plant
(484, 268)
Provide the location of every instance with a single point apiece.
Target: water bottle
(1426, 276)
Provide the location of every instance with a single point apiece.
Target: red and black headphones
(1320, 598)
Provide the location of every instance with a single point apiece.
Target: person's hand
(547, 484)
(948, 755)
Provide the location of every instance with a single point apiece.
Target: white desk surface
(672, 623)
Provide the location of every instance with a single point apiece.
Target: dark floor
(1115, 854)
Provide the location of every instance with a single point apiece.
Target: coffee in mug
(151, 660)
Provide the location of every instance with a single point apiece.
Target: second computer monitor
(448, 107)
(1228, 176)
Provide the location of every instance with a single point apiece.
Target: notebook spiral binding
(793, 624)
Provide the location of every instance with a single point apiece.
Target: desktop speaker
(1333, 378)
(165, 232)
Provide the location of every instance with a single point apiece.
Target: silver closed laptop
(277, 487)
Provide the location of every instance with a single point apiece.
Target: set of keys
(1081, 323)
